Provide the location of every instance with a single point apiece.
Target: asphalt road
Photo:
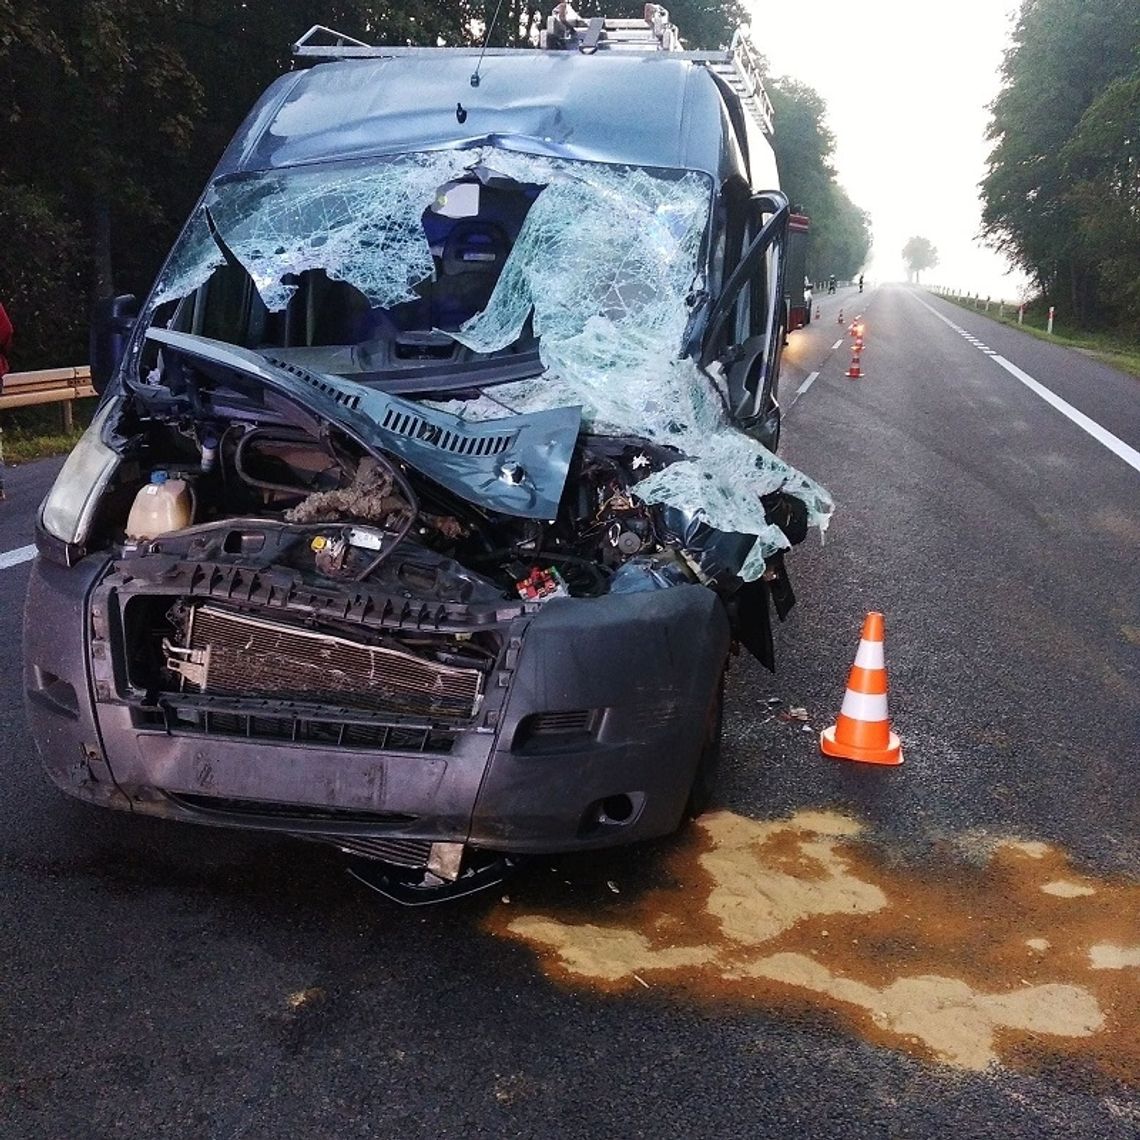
(160, 979)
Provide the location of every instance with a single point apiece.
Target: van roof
(653, 110)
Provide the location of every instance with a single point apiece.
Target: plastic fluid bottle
(160, 507)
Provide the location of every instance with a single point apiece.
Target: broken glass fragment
(605, 261)
(359, 223)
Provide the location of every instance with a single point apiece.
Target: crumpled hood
(517, 466)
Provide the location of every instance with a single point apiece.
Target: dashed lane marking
(1102, 435)
(15, 557)
(837, 344)
(803, 388)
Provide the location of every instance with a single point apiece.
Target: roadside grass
(36, 433)
(1118, 352)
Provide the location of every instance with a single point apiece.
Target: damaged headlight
(70, 504)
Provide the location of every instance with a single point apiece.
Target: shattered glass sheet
(360, 224)
(606, 259)
(192, 261)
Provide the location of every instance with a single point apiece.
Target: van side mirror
(111, 325)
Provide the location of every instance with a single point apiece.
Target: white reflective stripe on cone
(864, 706)
(870, 655)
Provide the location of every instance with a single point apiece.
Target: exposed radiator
(236, 655)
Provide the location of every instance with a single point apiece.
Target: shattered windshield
(360, 224)
(460, 254)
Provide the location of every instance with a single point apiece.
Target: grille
(345, 399)
(414, 427)
(193, 720)
(245, 656)
(413, 853)
(301, 813)
(550, 732)
(560, 723)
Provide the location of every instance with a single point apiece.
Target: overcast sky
(906, 83)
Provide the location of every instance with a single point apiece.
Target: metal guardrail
(61, 386)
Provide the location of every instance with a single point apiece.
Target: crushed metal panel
(472, 459)
(554, 103)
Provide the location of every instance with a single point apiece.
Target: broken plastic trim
(422, 888)
(466, 458)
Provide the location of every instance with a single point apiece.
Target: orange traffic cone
(818, 312)
(839, 319)
(854, 372)
(863, 730)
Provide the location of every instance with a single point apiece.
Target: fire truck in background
(797, 285)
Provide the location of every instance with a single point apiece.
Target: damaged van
(436, 477)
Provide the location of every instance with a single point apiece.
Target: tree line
(840, 236)
(1062, 194)
(113, 113)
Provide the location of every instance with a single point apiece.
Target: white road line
(1117, 446)
(806, 384)
(1102, 435)
(15, 557)
(837, 344)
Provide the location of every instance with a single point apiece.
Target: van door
(745, 330)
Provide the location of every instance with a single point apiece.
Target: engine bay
(338, 512)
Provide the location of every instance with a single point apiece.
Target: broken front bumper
(588, 733)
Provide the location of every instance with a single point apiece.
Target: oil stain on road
(1011, 956)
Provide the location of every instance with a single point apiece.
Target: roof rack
(307, 45)
(738, 66)
(741, 69)
(565, 29)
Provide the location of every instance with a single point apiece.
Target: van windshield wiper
(418, 362)
(435, 377)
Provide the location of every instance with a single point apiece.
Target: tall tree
(1101, 162)
(840, 232)
(1064, 55)
(918, 254)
